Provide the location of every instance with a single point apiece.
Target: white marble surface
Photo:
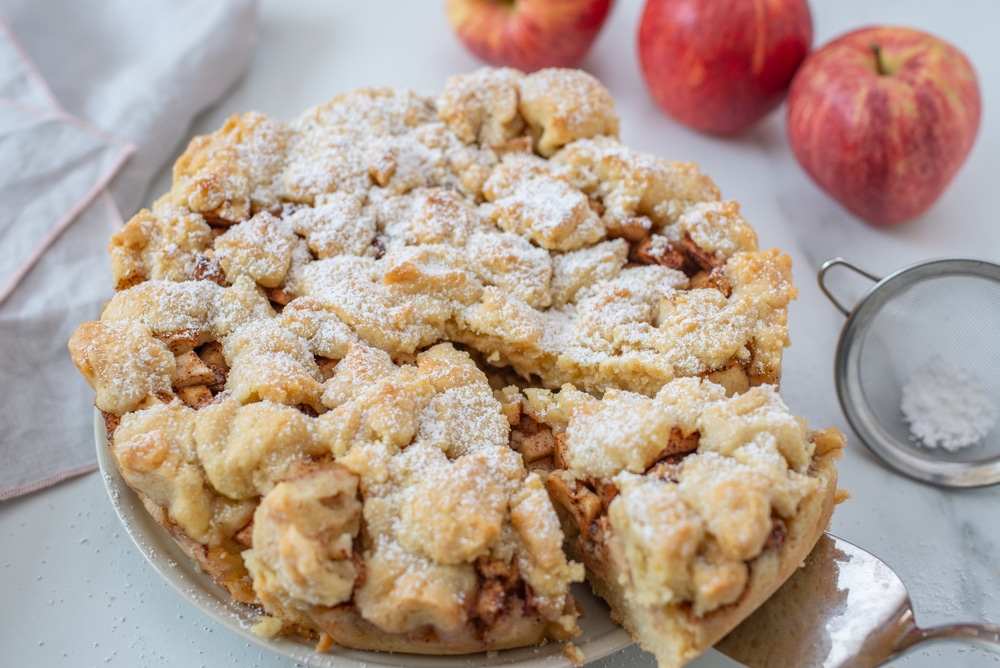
(76, 592)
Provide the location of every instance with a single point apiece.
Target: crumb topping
(299, 363)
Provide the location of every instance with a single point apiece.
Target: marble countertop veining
(76, 592)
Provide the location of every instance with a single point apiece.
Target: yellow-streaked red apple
(719, 66)
(882, 118)
(528, 34)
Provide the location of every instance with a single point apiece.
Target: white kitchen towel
(44, 189)
(87, 84)
(19, 80)
(52, 165)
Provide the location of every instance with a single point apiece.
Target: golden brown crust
(516, 629)
(771, 569)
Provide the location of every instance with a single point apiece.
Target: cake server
(845, 608)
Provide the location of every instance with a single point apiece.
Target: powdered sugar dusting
(529, 200)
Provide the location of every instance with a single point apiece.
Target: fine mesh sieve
(939, 314)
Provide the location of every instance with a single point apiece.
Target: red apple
(528, 34)
(719, 66)
(882, 118)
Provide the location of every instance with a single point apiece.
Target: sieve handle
(831, 263)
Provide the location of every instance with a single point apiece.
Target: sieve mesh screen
(955, 318)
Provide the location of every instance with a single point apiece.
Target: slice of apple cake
(688, 508)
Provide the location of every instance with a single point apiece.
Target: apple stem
(880, 67)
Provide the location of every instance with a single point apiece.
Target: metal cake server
(844, 609)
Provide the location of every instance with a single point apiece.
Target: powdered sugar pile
(947, 407)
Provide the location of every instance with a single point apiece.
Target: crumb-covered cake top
(301, 367)
(504, 216)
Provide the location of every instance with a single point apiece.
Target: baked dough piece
(296, 368)
(689, 508)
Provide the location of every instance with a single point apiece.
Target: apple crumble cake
(402, 370)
